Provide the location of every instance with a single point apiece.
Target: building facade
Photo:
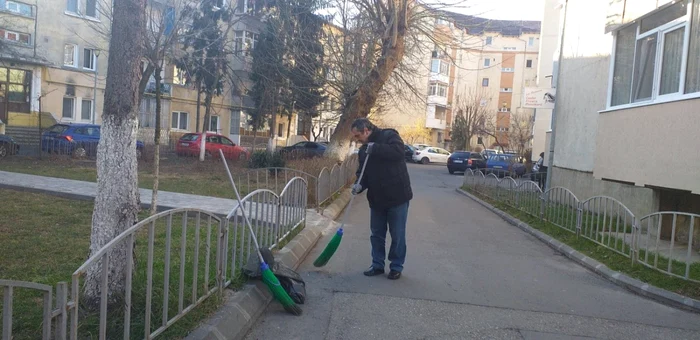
(628, 91)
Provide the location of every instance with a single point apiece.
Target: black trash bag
(292, 283)
(252, 267)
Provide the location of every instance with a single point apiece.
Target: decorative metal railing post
(634, 246)
(221, 255)
(543, 204)
(579, 218)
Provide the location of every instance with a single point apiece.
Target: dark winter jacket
(386, 176)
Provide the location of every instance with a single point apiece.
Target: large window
(70, 55)
(440, 66)
(68, 108)
(213, 124)
(87, 8)
(438, 89)
(655, 58)
(89, 59)
(244, 42)
(16, 7)
(180, 120)
(16, 86)
(86, 110)
(14, 36)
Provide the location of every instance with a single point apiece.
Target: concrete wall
(641, 201)
(549, 40)
(655, 139)
(582, 88)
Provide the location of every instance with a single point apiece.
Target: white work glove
(356, 189)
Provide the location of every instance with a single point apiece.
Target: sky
(496, 9)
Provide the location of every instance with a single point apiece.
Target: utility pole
(548, 181)
(94, 88)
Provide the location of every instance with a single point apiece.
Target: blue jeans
(395, 218)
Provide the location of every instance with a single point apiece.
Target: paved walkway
(468, 275)
(87, 190)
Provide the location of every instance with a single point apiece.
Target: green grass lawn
(46, 238)
(606, 256)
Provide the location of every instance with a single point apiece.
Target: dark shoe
(373, 271)
(394, 275)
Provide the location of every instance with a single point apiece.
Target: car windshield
(189, 137)
(461, 154)
(58, 128)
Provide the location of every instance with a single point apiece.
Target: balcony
(437, 100)
(433, 123)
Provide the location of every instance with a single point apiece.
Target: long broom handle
(240, 203)
(359, 180)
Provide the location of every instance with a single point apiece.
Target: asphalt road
(468, 275)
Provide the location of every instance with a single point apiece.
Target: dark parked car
(79, 140)
(8, 146)
(409, 151)
(460, 161)
(305, 149)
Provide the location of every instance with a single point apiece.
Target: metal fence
(322, 187)
(159, 270)
(666, 241)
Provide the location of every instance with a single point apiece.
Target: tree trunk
(364, 98)
(289, 126)
(156, 140)
(117, 200)
(205, 128)
(199, 103)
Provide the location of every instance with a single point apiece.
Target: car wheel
(452, 172)
(3, 150)
(79, 152)
(425, 160)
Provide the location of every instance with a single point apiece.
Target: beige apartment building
(626, 109)
(54, 61)
(492, 60)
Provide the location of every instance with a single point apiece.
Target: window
(16, 7)
(70, 55)
(489, 40)
(650, 56)
(438, 89)
(487, 62)
(214, 123)
(179, 120)
(509, 48)
(244, 42)
(86, 109)
(528, 63)
(15, 86)
(506, 89)
(485, 82)
(82, 7)
(89, 59)
(280, 130)
(531, 41)
(440, 66)
(17, 37)
(68, 108)
(179, 76)
(508, 69)
(72, 6)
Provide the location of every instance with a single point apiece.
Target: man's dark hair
(360, 124)
(542, 154)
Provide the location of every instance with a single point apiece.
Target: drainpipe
(548, 182)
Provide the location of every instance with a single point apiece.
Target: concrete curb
(632, 284)
(334, 210)
(241, 310)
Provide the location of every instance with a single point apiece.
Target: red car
(188, 145)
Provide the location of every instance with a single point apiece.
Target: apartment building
(496, 61)
(626, 107)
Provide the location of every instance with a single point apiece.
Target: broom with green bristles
(268, 277)
(332, 246)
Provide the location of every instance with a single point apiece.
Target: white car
(431, 154)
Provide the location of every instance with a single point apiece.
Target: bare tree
(378, 47)
(521, 124)
(474, 115)
(117, 198)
